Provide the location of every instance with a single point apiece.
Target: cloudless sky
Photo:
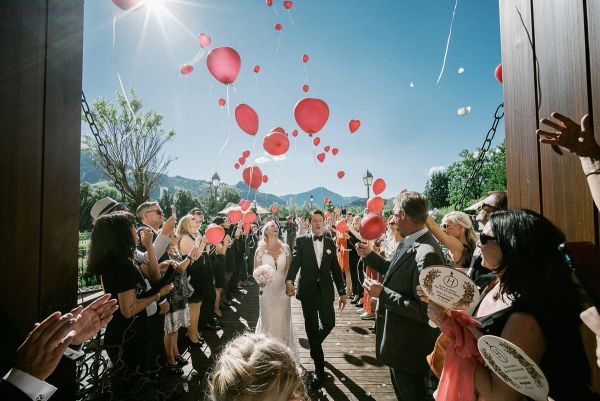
(363, 56)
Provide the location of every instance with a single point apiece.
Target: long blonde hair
(254, 367)
(462, 219)
(184, 227)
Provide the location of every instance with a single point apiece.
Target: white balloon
(461, 70)
(411, 84)
(463, 111)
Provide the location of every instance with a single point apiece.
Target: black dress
(219, 263)
(123, 334)
(564, 362)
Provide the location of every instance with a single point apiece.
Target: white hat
(103, 206)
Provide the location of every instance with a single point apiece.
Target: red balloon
(278, 26)
(278, 129)
(224, 64)
(326, 148)
(335, 151)
(252, 176)
(214, 234)
(242, 161)
(204, 40)
(321, 157)
(375, 204)
(328, 215)
(354, 125)
(295, 133)
(326, 200)
(274, 209)
(316, 141)
(128, 4)
(305, 58)
(287, 4)
(234, 216)
(372, 226)
(378, 186)
(311, 114)
(305, 88)
(246, 118)
(245, 204)
(341, 226)
(186, 69)
(221, 102)
(237, 166)
(269, 3)
(256, 68)
(498, 72)
(249, 217)
(246, 227)
(341, 174)
(265, 179)
(276, 143)
(246, 153)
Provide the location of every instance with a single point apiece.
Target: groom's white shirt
(318, 247)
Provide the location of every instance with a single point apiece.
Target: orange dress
(343, 257)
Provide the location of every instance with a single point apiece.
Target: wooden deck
(352, 372)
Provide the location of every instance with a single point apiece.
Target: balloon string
(278, 41)
(114, 31)
(275, 10)
(317, 175)
(447, 43)
(305, 73)
(117, 69)
(290, 15)
(227, 89)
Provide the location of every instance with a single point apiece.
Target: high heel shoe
(181, 361)
(174, 369)
(194, 344)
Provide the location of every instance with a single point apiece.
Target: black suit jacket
(12, 393)
(404, 336)
(314, 280)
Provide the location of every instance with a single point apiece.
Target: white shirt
(408, 241)
(33, 387)
(318, 247)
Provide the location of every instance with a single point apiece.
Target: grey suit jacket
(404, 337)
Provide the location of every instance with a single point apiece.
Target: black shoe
(316, 380)
(227, 302)
(181, 361)
(174, 369)
(216, 322)
(193, 344)
(211, 327)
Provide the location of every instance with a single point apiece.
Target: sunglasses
(484, 238)
(446, 226)
(157, 211)
(487, 208)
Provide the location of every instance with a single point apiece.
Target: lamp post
(368, 180)
(312, 198)
(215, 181)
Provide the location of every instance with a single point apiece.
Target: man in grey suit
(404, 336)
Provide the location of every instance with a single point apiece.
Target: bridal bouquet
(263, 274)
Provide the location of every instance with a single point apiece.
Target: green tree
(134, 139)
(183, 202)
(491, 176)
(436, 189)
(166, 202)
(227, 195)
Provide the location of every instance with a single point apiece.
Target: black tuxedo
(404, 336)
(315, 291)
(10, 392)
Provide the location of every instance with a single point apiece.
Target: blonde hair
(263, 236)
(254, 367)
(184, 227)
(462, 219)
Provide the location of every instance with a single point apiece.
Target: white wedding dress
(275, 308)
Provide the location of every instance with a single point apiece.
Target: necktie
(317, 238)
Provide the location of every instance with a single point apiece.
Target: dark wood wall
(41, 50)
(551, 62)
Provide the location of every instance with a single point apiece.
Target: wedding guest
(251, 242)
(291, 229)
(254, 367)
(341, 243)
(369, 304)
(533, 305)
(111, 257)
(219, 266)
(457, 235)
(354, 237)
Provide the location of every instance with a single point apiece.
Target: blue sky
(363, 57)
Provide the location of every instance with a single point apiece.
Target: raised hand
(91, 319)
(576, 138)
(168, 226)
(146, 237)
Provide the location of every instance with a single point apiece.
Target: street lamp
(312, 198)
(215, 181)
(368, 180)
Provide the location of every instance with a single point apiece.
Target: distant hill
(88, 172)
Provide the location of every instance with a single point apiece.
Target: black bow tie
(317, 238)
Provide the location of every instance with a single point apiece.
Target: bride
(275, 313)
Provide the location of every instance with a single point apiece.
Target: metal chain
(473, 179)
(102, 149)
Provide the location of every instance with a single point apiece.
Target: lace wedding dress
(275, 313)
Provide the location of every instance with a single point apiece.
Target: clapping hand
(146, 237)
(40, 353)
(91, 319)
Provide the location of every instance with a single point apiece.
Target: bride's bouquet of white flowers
(263, 274)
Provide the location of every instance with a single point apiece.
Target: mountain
(88, 172)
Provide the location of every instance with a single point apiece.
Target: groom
(316, 255)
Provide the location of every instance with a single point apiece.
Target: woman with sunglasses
(533, 305)
(457, 235)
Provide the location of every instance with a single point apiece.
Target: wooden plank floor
(352, 372)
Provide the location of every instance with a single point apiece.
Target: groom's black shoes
(316, 380)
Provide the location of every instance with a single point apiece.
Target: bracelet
(190, 258)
